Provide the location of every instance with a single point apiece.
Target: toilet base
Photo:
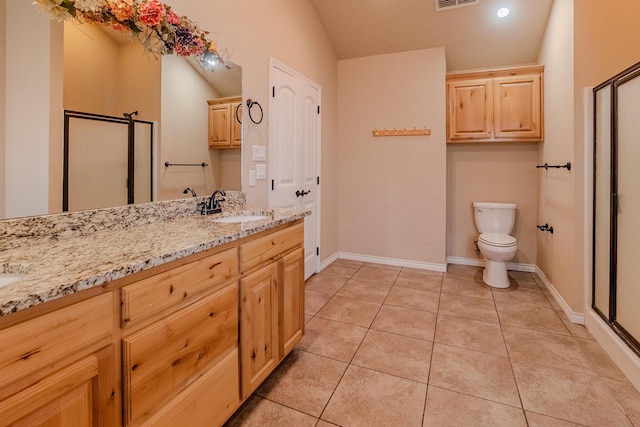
(495, 274)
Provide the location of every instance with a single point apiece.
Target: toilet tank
(494, 217)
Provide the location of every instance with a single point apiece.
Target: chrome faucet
(213, 205)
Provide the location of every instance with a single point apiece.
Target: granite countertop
(53, 269)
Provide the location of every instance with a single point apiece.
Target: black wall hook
(545, 227)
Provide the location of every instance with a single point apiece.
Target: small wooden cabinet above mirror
(225, 122)
(496, 105)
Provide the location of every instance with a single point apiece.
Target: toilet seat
(498, 240)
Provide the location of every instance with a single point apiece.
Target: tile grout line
(324, 408)
(435, 329)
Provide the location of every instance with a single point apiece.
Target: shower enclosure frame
(131, 140)
(609, 310)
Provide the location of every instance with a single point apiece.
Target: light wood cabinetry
(497, 105)
(180, 344)
(65, 376)
(176, 287)
(184, 337)
(272, 302)
(225, 131)
(163, 359)
(259, 330)
(291, 310)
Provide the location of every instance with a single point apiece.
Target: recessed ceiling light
(502, 12)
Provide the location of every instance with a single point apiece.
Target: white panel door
(294, 135)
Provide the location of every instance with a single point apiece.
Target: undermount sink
(8, 278)
(241, 218)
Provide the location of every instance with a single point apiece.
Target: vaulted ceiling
(473, 36)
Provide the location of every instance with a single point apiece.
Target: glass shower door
(627, 208)
(108, 161)
(616, 206)
(98, 164)
(602, 201)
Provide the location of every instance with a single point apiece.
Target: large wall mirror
(88, 69)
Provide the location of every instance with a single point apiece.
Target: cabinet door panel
(517, 107)
(470, 110)
(219, 131)
(67, 331)
(236, 127)
(162, 359)
(64, 398)
(259, 326)
(292, 301)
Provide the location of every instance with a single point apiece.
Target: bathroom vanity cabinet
(188, 340)
(225, 127)
(496, 105)
(58, 368)
(272, 302)
(183, 343)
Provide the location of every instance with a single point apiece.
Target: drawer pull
(171, 290)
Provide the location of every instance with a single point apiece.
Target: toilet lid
(497, 239)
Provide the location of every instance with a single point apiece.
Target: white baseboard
(529, 268)
(393, 261)
(573, 316)
(620, 353)
(324, 264)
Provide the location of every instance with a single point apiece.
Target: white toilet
(495, 222)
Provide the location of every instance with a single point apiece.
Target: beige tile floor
(390, 346)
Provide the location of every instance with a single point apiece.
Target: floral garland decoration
(159, 28)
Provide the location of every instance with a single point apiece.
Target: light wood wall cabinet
(225, 131)
(497, 105)
(180, 344)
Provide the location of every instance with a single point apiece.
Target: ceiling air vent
(450, 4)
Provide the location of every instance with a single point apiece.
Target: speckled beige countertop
(55, 268)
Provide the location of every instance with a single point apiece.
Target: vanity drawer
(270, 247)
(165, 357)
(208, 401)
(157, 293)
(51, 337)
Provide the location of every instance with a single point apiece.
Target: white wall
(2, 107)
(27, 120)
(290, 32)
(491, 172)
(556, 186)
(91, 75)
(392, 190)
(184, 131)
